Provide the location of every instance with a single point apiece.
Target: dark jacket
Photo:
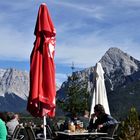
(104, 119)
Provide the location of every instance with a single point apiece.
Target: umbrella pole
(45, 127)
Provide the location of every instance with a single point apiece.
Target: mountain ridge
(14, 90)
(121, 72)
(122, 79)
(119, 67)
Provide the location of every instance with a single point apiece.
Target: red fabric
(42, 94)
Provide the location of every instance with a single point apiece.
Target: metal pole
(45, 135)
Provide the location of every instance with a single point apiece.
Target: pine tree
(77, 96)
(130, 128)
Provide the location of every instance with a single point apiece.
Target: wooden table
(78, 135)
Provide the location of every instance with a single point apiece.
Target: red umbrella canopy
(41, 101)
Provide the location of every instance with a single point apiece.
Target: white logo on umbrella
(51, 50)
(51, 46)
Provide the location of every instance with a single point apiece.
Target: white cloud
(87, 49)
(85, 29)
(84, 52)
(88, 9)
(15, 45)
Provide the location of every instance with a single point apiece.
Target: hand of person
(99, 126)
(93, 116)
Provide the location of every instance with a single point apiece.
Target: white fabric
(11, 125)
(99, 94)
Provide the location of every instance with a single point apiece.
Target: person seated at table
(12, 122)
(3, 129)
(103, 121)
(85, 119)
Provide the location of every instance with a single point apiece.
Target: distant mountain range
(14, 90)
(122, 79)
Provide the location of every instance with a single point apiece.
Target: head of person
(10, 116)
(3, 116)
(74, 115)
(99, 109)
(16, 116)
(86, 113)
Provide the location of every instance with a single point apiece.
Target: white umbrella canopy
(99, 94)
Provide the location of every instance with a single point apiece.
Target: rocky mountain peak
(14, 90)
(115, 59)
(14, 81)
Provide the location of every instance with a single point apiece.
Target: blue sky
(86, 29)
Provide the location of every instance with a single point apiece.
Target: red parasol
(42, 94)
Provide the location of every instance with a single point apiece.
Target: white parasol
(99, 94)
